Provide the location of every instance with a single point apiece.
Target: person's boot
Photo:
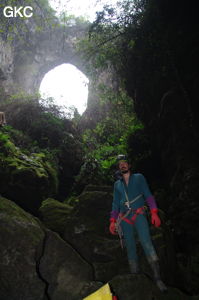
(156, 273)
(134, 267)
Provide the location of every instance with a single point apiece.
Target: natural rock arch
(48, 50)
(24, 62)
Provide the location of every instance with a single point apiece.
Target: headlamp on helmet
(122, 158)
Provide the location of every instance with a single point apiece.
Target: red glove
(112, 227)
(155, 220)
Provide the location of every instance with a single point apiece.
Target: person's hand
(112, 227)
(155, 220)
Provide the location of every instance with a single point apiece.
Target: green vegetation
(113, 32)
(26, 177)
(40, 146)
(15, 28)
(111, 38)
(109, 136)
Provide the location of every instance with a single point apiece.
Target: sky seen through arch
(65, 83)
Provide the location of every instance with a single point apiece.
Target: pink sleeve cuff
(151, 202)
(114, 214)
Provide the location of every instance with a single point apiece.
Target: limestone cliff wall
(32, 47)
(6, 65)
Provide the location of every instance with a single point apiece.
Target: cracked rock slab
(35, 263)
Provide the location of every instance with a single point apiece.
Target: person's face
(124, 167)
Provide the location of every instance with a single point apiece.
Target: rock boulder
(36, 263)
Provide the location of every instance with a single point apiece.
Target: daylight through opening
(67, 86)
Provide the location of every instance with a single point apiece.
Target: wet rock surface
(21, 242)
(36, 263)
(140, 287)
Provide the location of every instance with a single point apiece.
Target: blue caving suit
(137, 185)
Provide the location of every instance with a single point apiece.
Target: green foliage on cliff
(110, 37)
(14, 158)
(114, 30)
(39, 135)
(24, 176)
(16, 29)
(24, 30)
(109, 137)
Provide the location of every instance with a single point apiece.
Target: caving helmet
(122, 157)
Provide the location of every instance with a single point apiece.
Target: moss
(11, 214)
(72, 201)
(54, 214)
(53, 175)
(25, 177)
(18, 159)
(5, 144)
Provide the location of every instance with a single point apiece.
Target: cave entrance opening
(66, 86)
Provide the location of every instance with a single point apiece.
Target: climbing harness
(127, 203)
(138, 211)
(123, 216)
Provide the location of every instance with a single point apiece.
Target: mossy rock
(54, 214)
(92, 211)
(36, 263)
(25, 178)
(85, 214)
(21, 241)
